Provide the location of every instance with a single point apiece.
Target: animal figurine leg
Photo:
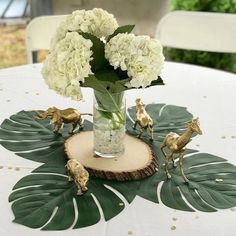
(79, 189)
(57, 126)
(74, 125)
(56, 121)
(141, 132)
(174, 162)
(73, 128)
(81, 125)
(168, 158)
(84, 188)
(181, 158)
(151, 132)
(135, 124)
(70, 177)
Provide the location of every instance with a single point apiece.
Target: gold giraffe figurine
(58, 117)
(143, 119)
(177, 144)
(76, 172)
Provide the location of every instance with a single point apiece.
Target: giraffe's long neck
(184, 138)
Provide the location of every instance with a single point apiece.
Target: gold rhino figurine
(58, 117)
(77, 172)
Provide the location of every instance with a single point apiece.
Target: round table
(208, 94)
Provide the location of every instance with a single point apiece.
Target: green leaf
(104, 81)
(23, 132)
(203, 192)
(166, 118)
(54, 199)
(48, 194)
(107, 76)
(99, 61)
(171, 196)
(108, 94)
(93, 82)
(123, 82)
(159, 81)
(120, 30)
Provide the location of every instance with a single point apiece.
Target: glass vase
(109, 115)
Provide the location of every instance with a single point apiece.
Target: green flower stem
(109, 105)
(114, 123)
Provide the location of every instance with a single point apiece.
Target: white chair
(203, 31)
(39, 33)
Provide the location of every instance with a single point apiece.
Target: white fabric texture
(208, 94)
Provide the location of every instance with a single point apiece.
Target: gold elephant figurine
(58, 117)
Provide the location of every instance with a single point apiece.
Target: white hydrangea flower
(68, 64)
(140, 56)
(97, 22)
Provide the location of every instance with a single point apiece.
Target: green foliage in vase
(224, 61)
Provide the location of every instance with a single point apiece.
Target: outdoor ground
(12, 46)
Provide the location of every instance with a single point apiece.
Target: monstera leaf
(212, 180)
(212, 185)
(54, 199)
(47, 191)
(166, 118)
(48, 194)
(23, 132)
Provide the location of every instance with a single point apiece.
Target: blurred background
(15, 14)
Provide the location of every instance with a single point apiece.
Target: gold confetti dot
(174, 218)
(233, 209)
(17, 168)
(1, 167)
(130, 232)
(115, 159)
(232, 136)
(173, 227)
(197, 145)
(9, 168)
(223, 137)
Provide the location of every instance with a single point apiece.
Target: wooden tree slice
(136, 163)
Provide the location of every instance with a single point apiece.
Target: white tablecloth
(208, 94)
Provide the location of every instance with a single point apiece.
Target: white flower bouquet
(89, 49)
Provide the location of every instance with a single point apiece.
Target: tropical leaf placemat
(45, 199)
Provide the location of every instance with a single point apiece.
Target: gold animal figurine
(143, 119)
(59, 117)
(177, 144)
(77, 172)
